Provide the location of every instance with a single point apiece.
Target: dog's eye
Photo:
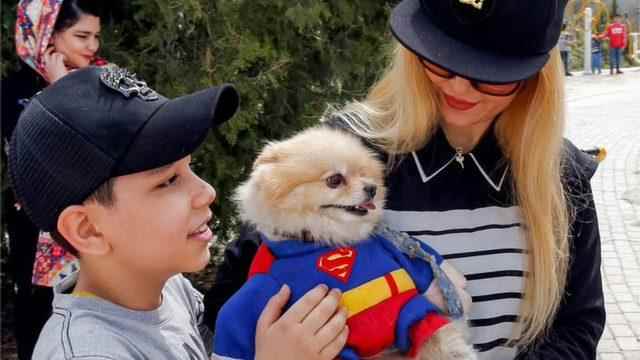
(334, 181)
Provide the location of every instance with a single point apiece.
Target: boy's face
(157, 225)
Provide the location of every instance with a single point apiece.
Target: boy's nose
(205, 196)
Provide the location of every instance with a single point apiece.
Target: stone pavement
(604, 111)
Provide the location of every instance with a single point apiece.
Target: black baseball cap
(98, 123)
(496, 41)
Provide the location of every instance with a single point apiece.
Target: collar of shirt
(487, 157)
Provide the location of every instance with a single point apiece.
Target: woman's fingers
(299, 311)
(332, 328)
(46, 58)
(54, 66)
(273, 310)
(325, 310)
(58, 59)
(332, 350)
(49, 51)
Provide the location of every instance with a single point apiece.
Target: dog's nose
(370, 190)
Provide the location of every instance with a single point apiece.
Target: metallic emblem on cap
(126, 83)
(475, 3)
(472, 12)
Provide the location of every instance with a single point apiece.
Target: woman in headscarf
(53, 37)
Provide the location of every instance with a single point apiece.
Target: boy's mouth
(360, 210)
(203, 232)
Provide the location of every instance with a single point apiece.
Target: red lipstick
(458, 104)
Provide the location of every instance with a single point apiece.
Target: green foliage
(7, 44)
(287, 58)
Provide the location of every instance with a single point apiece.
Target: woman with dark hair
(52, 38)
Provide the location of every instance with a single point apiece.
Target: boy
(101, 161)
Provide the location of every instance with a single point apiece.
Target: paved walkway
(604, 111)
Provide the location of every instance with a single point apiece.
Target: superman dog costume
(382, 291)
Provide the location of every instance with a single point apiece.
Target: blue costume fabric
(363, 272)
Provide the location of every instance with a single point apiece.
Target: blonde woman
(470, 116)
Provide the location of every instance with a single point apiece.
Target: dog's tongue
(368, 205)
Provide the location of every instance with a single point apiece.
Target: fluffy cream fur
(287, 191)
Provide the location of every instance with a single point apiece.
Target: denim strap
(411, 247)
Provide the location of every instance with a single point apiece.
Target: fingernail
(323, 287)
(336, 292)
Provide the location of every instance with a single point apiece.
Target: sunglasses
(493, 89)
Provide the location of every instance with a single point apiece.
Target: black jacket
(17, 88)
(580, 321)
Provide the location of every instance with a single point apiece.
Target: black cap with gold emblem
(496, 41)
(99, 123)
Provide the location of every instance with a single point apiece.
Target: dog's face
(322, 182)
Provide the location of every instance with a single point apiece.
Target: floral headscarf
(34, 27)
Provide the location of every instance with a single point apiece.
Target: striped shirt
(461, 205)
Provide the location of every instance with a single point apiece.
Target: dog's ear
(269, 155)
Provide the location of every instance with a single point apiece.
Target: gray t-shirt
(95, 329)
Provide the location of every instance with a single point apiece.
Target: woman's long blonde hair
(400, 114)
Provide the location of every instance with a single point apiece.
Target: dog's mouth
(360, 210)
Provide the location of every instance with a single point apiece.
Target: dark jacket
(580, 321)
(17, 88)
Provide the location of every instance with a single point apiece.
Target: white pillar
(587, 40)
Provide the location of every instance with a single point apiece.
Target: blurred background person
(596, 55)
(564, 44)
(616, 32)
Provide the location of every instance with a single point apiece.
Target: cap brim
(178, 128)
(417, 32)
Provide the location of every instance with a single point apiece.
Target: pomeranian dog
(316, 199)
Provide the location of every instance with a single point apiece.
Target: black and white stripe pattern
(487, 245)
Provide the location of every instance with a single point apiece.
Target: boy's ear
(75, 224)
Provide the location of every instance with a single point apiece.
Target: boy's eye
(172, 180)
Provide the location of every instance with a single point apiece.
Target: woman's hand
(54, 65)
(313, 328)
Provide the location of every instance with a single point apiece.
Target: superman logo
(338, 263)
